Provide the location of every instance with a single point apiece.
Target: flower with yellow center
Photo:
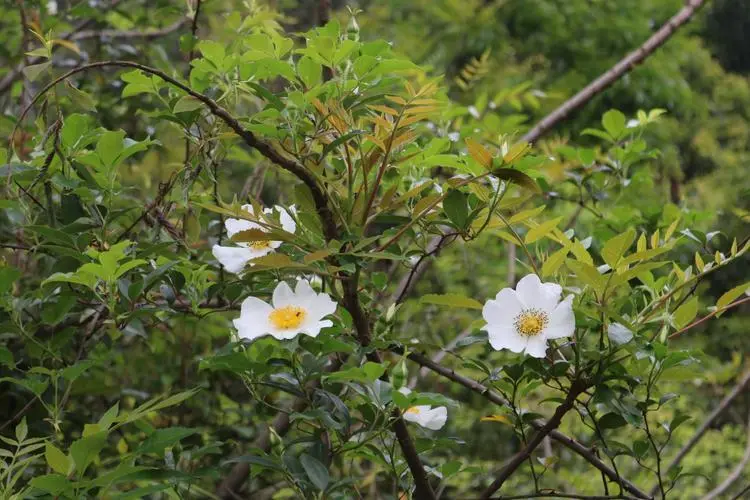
(234, 259)
(291, 313)
(523, 319)
(424, 415)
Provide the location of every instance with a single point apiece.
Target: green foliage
(137, 360)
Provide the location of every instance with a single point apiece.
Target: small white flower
(424, 415)
(523, 319)
(292, 313)
(234, 259)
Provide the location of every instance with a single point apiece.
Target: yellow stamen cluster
(260, 245)
(531, 322)
(414, 410)
(287, 317)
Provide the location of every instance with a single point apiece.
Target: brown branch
(496, 398)
(721, 408)
(625, 65)
(265, 149)
(576, 388)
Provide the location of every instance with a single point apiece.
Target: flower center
(531, 322)
(260, 245)
(287, 317)
(414, 410)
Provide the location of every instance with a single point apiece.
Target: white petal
(233, 259)
(503, 310)
(248, 208)
(506, 338)
(314, 329)
(534, 294)
(322, 305)
(562, 321)
(412, 417)
(283, 296)
(435, 419)
(537, 346)
(234, 226)
(287, 222)
(405, 390)
(253, 320)
(304, 291)
(284, 334)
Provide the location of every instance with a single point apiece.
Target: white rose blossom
(524, 319)
(290, 314)
(234, 259)
(424, 415)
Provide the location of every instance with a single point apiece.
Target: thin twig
(716, 413)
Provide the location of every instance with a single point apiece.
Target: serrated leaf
(614, 122)
(57, 460)
(187, 104)
(685, 313)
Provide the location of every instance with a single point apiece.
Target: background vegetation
(129, 381)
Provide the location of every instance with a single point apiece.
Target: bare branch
(625, 65)
(721, 408)
(496, 398)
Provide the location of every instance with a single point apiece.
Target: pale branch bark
(625, 65)
(496, 398)
(264, 148)
(736, 472)
(716, 413)
(584, 96)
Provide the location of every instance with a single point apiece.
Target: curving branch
(625, 65)
(496, 398)
(129, 34)
(264, 148)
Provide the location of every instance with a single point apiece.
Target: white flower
(523, 319)
(292, 313)
(424, 415)
(234, 259)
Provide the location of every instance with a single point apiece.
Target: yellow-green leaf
(616, 247)
(554, 261)
(451, 300)
(732, 295)
(542, 230)
(685, 313)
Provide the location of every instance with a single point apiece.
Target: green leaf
(33, 71)
(612, 421)
(685, 313)
(22, 430)
(85, 450)
(310, 72)
(8, 276)
(588, 274)
(451, 300)
(517, 177)
(6, 357)
(616, 247)
(57, 460)
(456, 207)
(315, 470)
(369, 372)
(54, 484)
(554, 261)
(187, 104)
(80, 98)
(614, 123)
(538, 232)
(732, 295)
(164, 438)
